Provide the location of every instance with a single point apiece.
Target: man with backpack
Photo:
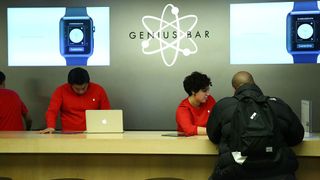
(254, 133)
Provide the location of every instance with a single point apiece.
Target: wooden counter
(134, 154)
(131, 142)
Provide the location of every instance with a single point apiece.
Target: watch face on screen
(76, 36)
(303, 32)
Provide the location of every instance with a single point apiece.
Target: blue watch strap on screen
(76, 61)
(71, 12)
(76, 11)
(305, 58)
(305, 6)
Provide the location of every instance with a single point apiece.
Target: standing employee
(72, 99)
(12, 109)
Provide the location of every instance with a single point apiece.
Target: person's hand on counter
(47, 131)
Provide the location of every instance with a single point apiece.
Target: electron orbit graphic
(163, 43)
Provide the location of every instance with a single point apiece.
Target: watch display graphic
(303, 24)
(76, 36)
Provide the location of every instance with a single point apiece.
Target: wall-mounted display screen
(58, 36)
(275, 33)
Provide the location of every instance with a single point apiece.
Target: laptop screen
(104, 121)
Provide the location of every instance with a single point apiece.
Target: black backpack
(254, 129)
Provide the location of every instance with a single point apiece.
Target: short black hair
(78, 76)
(195, 82)
(2, 77)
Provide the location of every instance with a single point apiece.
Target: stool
(66, 179)
(5, 178)
(164, 178)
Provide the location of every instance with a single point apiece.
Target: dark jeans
(228, 169)
(280, 177)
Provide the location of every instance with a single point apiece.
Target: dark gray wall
(142, 85)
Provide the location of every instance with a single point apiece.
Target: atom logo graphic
(180, 35)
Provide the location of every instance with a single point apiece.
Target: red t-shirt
(72, 106)
(189, 118)
(11, 111)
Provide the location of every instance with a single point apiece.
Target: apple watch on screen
(76, 36)
(303, 23)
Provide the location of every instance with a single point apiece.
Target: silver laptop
(104, 121)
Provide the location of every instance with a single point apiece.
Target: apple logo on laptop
(104, 121)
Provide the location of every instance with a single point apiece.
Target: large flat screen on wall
(275, 33)
(58, 36)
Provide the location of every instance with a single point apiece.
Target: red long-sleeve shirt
(11, 111)
(72, 106)
(189, 118)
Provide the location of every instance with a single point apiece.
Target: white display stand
(306, 115)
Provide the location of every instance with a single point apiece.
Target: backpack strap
(239, 96)
(261, 98)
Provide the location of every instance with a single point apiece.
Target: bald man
(219, 131)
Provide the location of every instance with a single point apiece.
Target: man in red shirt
(12, 109)
(72, 99)
(193, 112)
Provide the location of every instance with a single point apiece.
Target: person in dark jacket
(219, 130)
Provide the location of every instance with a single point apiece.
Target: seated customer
(12, 109)
(193, 112)
(242, 157)
(72, 99)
